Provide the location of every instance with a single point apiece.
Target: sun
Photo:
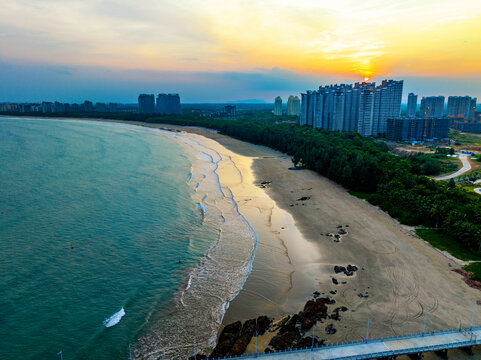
(366, 78)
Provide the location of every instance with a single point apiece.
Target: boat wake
(114, 319)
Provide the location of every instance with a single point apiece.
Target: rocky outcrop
(235, 337)
(227, 339)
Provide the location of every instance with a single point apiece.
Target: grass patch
(360, 195)
(441, 241)
(465, 138)
(475, 269)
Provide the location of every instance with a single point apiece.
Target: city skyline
(105, 51)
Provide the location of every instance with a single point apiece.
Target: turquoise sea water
(93, 218)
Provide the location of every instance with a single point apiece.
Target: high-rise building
(412, 105)
(433, 106)
(146, 104)
(168, 104)
(363, 107)
(408, 129)
(293, 106)
(278, 106)
(461, 107)
(87, 106)
(229, 110)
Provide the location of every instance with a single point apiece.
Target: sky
(224, 50)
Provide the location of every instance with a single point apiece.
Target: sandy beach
(400, 276)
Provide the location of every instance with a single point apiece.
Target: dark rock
(333, 292)
(338, 269)
(290, 324)
(316, 293)
(342, 232)
(308, 322)
(344, 282)
(352, 268)
(330, 330)
(199, 356)
(335, 314)
(306, 342)
(248, 331)
(227, 339)
(349, 273)
(285, 341)
(268, 350)
(304, 198)
(263, 323)
(339, 226)
(334, 281)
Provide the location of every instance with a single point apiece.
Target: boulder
(284, 341)
(227, 339)
(263, 324)
(248, 331)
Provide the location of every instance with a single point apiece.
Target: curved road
(478, 190)
(466, 167)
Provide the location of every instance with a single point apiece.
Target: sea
(116, 241)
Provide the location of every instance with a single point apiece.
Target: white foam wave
(114, 319)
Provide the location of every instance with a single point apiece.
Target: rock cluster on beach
(235, 337)
(291, 332)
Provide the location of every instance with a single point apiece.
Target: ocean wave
(220, 274)
(114, 319)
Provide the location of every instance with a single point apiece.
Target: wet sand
(400, 276)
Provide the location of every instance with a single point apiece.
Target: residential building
(87, 106)
(419, 129)
(229, 110)
(432, 107)
(363, 107)
(412, 105)
(146, 103)
(278, 106)
(293, 106)
(168, 104)
(461, 107)
(100, 107)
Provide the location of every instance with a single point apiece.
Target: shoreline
(404, 276)
(400, 278)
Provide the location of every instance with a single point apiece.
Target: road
(478, 190)
(466, 167)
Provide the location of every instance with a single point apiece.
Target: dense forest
(359, 164)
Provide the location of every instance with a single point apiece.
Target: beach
(296, 215)
(401, 277)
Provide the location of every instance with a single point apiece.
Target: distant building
(113, 107)
(461, 107)
(412, 105)
(100, 107)
(168, 104)
(47, 107)
(408, 129)
(146, 103)
(363, 107)
(433, 106)
(278, 106)
(87, 106)
(229, 110)
(293, 106)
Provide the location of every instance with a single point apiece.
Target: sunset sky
(215, 50)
